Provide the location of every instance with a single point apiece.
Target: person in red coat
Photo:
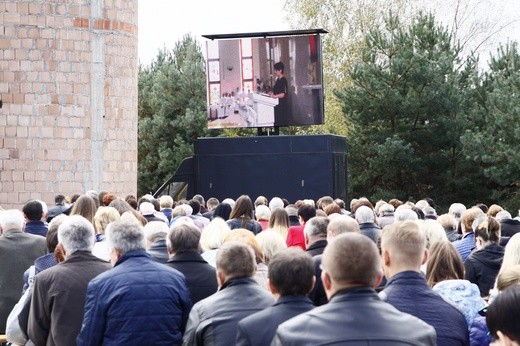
(295, 236)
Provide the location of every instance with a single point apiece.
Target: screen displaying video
(264, 81)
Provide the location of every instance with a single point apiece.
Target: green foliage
(406, 109)
(172, 111)
(494, 141)
(347, 23)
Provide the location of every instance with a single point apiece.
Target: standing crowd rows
(96, 269)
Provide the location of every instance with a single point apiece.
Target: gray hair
(386, 209)
(275, 203)
(126, 235)
(76, 234)
(403, 213)
(503, 215)
(316, 226)
(456, 209)
(342, 224)
(365, 214)
(263, 212)
(12, 217)
(155, 230)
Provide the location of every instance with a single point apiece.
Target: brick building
(68, 83)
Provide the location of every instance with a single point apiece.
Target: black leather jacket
(355, 316)
(214, 320)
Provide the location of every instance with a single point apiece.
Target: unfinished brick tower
(68, 83)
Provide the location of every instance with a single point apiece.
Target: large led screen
(264, 81)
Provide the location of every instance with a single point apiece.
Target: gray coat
(59, 299)
(18, 250)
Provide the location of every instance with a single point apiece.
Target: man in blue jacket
(404, 251)
(291, 277)
(139, 301)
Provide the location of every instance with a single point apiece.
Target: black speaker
(292, 167)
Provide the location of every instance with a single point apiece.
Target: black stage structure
(292, 167)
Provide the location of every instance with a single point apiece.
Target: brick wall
(68, 81)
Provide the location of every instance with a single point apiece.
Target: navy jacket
(158, 251)
(201, 277)
(357, 317)
(36, 228)
(409, 292)
(138, 302)
(259, 328)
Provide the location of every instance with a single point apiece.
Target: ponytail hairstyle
(489, 230)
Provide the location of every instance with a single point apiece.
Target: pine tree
(172, 111)
(406, 109)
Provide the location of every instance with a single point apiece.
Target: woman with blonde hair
(86, 207)
(245, 236)
(433, 231)
(511, 259)
(449, 223)
(271, 243)
(212, 238)
(279, 222)
(508, 277)
(103, 217)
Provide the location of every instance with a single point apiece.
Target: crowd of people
(97, 269)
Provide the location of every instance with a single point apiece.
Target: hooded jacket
(482, 266)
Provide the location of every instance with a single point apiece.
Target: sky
(164, 22)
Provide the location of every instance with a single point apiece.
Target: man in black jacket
(184, 249)
(354, 315)
(291, 277)
(315, 232)
(214, 320)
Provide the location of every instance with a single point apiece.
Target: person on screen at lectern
(280, 91)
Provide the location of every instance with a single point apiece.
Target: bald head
(405, 244)
(350, 260)
(341, 224)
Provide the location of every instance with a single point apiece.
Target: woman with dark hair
(280, 92)
(482, 265)
(223, 210)
(503, 317)
(445, 273)
(242, 215)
